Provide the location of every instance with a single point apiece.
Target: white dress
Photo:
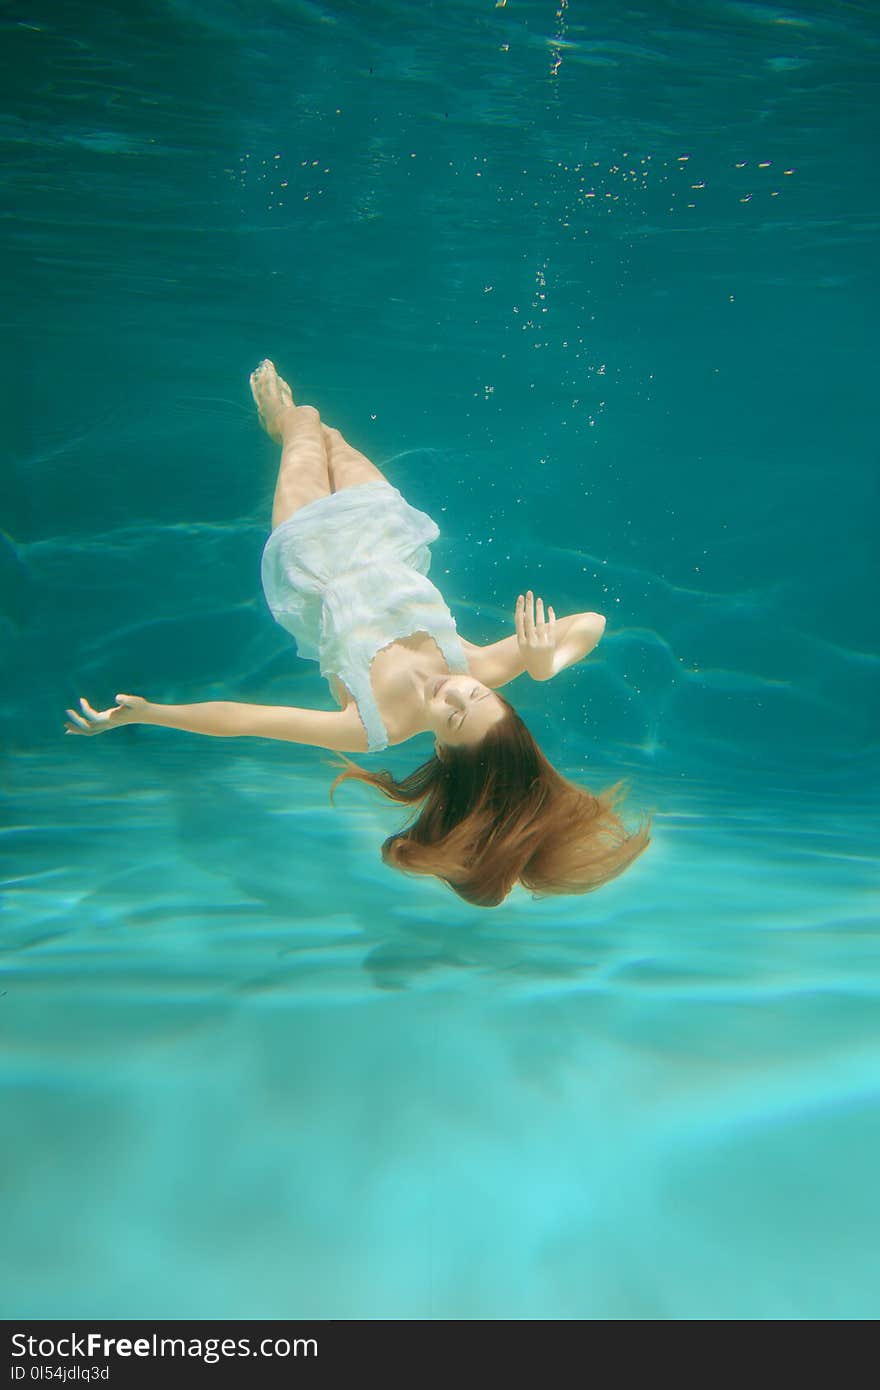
(346, 575)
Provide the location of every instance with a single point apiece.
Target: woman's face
(460, 709)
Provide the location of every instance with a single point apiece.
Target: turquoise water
(595, 286)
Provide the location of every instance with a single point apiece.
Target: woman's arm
(340, 730)
(575, 638)
(500, 662)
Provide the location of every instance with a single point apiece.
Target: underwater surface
(595, 285)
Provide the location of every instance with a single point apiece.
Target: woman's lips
(440, 681)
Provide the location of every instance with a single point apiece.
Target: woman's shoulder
(349, 733)
(495, 664)
(474, 656)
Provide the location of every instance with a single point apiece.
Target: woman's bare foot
(273, 397)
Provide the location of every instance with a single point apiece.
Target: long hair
(497, 813)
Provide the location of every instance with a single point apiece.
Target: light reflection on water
(257, 1056)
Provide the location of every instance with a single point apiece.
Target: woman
(345, 572)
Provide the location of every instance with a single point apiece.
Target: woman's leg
(304, 474)
(348, 467)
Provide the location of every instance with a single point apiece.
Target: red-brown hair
(497, 813)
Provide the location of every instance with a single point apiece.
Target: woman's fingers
(92, 715)
(90, 721)
(525, 618)
(532, 623)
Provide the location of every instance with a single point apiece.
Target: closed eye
(462, 713)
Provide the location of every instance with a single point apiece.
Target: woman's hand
(127, 710)
(536, 637)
